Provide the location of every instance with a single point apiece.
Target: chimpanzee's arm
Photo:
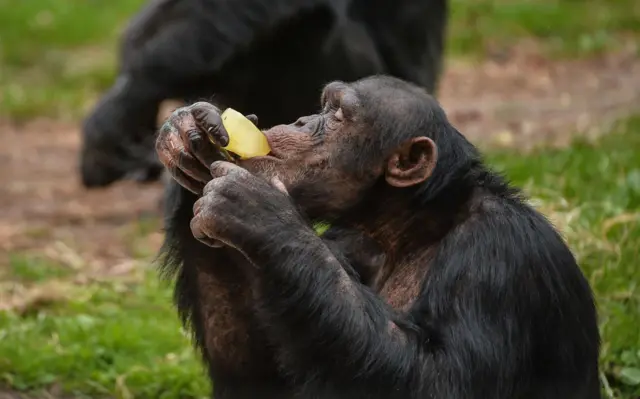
(214, 300)
(214, 297)
(328, 326)
(470, 325)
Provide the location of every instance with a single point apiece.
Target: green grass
(563, 27)
(56, 56)
(123, 339)
(33, 269)
(111, 339)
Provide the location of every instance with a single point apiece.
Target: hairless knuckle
(194, 135)
(177, 112)
(203, 111)
(184, 113)
(214, 129)
(180, 156)
(194, 225)
(225, 184)
(166, 128)
(216, 166)
(200, 104)
(197, 206)
(213, 185)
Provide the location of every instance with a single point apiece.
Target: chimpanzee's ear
(412, 163)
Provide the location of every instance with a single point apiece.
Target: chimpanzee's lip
(275, 151)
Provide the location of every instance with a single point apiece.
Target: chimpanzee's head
(376, 131)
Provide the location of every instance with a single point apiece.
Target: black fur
(249, 55)
(504, 311)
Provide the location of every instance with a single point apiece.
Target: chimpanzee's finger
(200, 146)
(209, 120)
(192, 167)
(167, 130)
(185, 181)
(166, 142)
(223, 168)
(199, 233)
(173, 153)
(196, 141)
(253, 118)
(210, 242)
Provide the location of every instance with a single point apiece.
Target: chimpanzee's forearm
(213, 296)
(314, 310)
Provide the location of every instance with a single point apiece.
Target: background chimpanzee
(462, 290)
(244, 52)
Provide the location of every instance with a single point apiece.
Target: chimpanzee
(435, 280)
(237, 53)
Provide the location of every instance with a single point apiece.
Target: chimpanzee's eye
(329, 108)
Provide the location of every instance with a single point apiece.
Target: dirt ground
(516, 99)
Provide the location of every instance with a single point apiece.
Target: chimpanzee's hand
(184, 148)
(238, 208)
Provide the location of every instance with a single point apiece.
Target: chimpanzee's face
(330, 160)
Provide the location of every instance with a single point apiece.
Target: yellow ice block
(245, 139)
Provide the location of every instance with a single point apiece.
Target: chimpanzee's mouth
(275, 152)
(235, 158)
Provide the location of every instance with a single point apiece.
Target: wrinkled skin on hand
(228, 191)
(233, 200)
(184, 148)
